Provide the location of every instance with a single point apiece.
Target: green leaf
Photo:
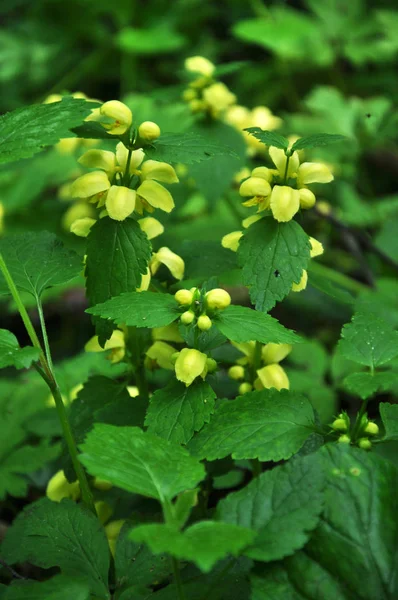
(323, 284)
(268, 425)
(282, 505)
(140, 462)
(175, 412)
(37, 261)
(269, 138)
(389, 416)
(135, 564)
(186, 148)
(118, 253)
(204, 543)
(143, 309)
(365, 385)
(65, 535)
(149, 41)
(317, 139)
(272, 256)
(92, 130)
(57, 588)
(28, 130)
(12, 355)
(368, 340)
(206, 258)
(242, 324)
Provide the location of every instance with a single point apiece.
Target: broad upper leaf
(317, 139)
(242, 324)
(268, 425)
(143, 309)
(186, 148)
(28, 130)
(365, 385)
(12, 355)
(56, 588)
(272, 256)
(269, 138)
(389, 416)
(204, 543)
(282, 505)
(140, 462)
(37, 261)
(65, 535)
(176, 411)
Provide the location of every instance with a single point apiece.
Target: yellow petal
(316, 248)
(59, 487)
(169, 333)
(199, 64)
(116, 344)
(162, 353)
(67, 145)
(164, 256)
(262, 117)
(218, 97)
(90, 184)
(190, 364)
(156, 195)
(120, 202)
(314, 173)
(273, 376)
(103, 510)
(145, 281)
(255, 186)
(112, 531)
(120, 113)
(274, 353)
(284, 202)
(137, 156)
(231, 240)
(307, 198)
(263, 173)
(81, 227)
(78, 210)
(302, 284)
(250, 220)
(133, 391)
(279, 158)
(152, 227)
(160, 171)
(247, 348)
(99, 159)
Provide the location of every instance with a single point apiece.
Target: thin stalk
(44, 334)
(126, 176)
(286, 170)
(358, 420)
(177, 578)
(337, 277)
(141, 381)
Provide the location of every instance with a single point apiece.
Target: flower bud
(149, 131)
(245, 388)
(344, 439)
(339, 425)
(274, 353)
(236, 372)
(120, 113)
(189, 95)
(371, 428)
(316, 248)
(101, 484)
(231, 240)
(199, 64)
(81, 227)
(120, 202)
(273, 376)
(184, 297)
(204, 323)
(364, 443)
(307, 198)
(190, 364)
(284, 202)
(211, 365)
(217, 298)
(302, 284)
(255, 186)
(59, 487)
(187, 317)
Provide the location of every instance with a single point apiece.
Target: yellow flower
(302, 284)
(313, 173)
(260, 190)
(78, 210)
(116, 344)
(160, 171)
(189, 365)
(199, 64)
(92, 186)
(81, 227)
(238, 116)
(316, 248)
(231, 240)
(148, 131)
(152, 227)
(103, 510)
(133, 391)
(59, 487)
(307, 198)
(112, 531)
(279, 159)
(217, 299)
(99, 159)
(137, 156)
(274, 353)
(169, 333)
(184, 297)
(284, 202)
(161, 353)
(153, 195)
(204, 323)
(272, 376)
(218, 98)
(120, 202)
(164, 256)
(145, 281)
(119, 113)
(236, 372)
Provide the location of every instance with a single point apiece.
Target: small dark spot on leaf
(368, 115)
(276, 273)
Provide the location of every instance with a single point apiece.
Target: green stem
(337, 277)
(126, 176)
(177, 578)
(358, 420)
(44, 334)
(141, 381)
(286, 169)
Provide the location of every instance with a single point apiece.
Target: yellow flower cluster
(270, 375)
(198, 305)
(241, 118)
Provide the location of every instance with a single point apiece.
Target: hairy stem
(177, 579)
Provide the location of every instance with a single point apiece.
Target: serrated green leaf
(269, 138)
(389, 416)
(368, 340)
(317, 139)
(204, 543)
(176, 411)
(93, 130)
(56, 588)
(272, 256)
(242, 324)
(365, 385)
(118, 253)
(140, 462)
(12, 355)
(65, 535)
(268, 425)
(37, 261)
(28, 130)
(143, 309)
(282, 505)
(186, 148)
